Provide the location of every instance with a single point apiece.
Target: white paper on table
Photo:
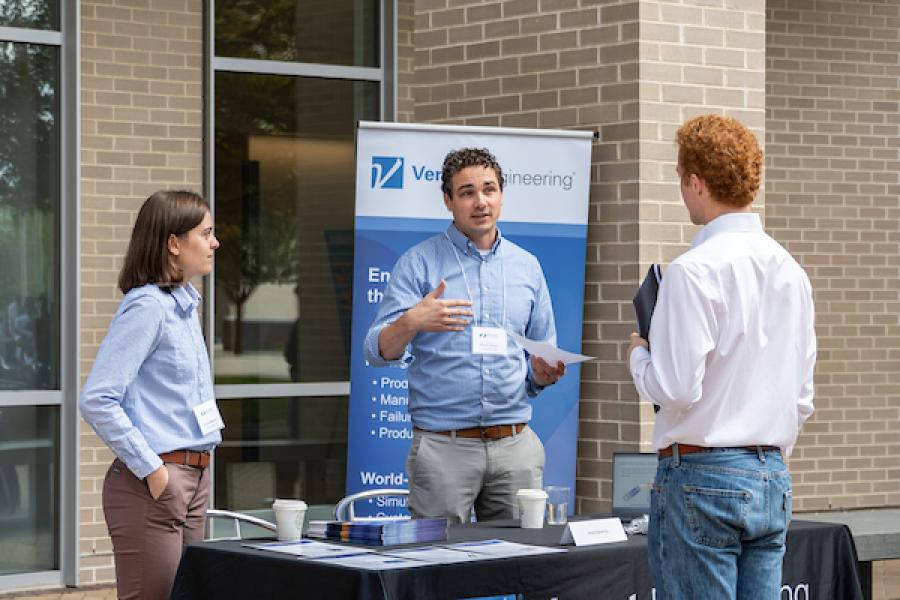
(501, 548)
(373, 561)
(437, 555)
(308, 548)
(548, 351)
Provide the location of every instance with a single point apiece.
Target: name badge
(208, 417)
(488, 340)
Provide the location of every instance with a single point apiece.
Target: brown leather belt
(492, 432)
(186, 457)
(690, 449)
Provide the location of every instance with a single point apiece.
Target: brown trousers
(148, 535)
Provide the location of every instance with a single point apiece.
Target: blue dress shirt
(151, 371)
(449, 386)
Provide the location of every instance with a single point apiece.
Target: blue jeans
(718, 522)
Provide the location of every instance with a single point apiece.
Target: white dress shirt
(732, 342)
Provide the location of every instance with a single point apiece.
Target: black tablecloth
(821, 561)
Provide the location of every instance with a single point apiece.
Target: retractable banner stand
(399, 203)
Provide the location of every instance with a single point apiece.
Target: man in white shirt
(733, 351)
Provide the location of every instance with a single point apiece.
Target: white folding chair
(343, 510)
(237, 519)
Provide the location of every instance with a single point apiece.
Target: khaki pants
(448, 476)
(148, 535)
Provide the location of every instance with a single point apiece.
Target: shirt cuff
(532, 389)
(639, 357)
(373, 352)
(142, 460)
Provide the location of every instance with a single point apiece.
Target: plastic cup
(289, 516)
(557, 504)
(531, 508)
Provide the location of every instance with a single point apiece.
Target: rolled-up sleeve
(132, 336)
(402, 292)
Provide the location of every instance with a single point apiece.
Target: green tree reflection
(264, 29)
(29, 180)
(258, 235)
(33, 14)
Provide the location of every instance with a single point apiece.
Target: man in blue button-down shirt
(446, 314)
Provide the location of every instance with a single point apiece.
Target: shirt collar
(187, 297)
(459, 239)
(728, 223)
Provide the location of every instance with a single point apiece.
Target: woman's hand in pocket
(157, 481)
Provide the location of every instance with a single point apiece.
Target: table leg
(865, 578)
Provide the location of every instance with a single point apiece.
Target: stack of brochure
(316, 529)
(387, 532)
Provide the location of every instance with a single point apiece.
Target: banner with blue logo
(399, 203)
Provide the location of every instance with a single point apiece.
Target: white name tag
(594, 531)
(208, 417)
(488, 340)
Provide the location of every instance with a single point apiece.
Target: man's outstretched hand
(434, 313)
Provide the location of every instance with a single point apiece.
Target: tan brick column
(142, 125)
(405, 60)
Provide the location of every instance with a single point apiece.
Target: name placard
(593, 531)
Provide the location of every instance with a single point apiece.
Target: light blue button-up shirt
(151, 371)
(449, 386)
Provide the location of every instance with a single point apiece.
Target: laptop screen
(633, 474)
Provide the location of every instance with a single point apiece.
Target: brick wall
(833, 199)
(141, 131)
(406, 25)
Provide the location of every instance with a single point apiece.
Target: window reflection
(284, 192)
(31, 14)
(333, 32)
(281, 447)
(29, 208)
(29, 480)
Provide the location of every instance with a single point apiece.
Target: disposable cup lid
(532, 493)
(288, 503)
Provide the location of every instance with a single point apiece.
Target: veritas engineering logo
(387, 172)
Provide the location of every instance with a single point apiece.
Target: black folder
(645, 300)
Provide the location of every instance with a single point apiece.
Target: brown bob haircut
(165, 213)
(723, 153)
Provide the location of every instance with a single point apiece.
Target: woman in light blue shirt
(149, 396)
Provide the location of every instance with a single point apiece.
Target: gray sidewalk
(106, 592)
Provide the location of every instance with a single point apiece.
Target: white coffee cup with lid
(289, 516)
(532, 504)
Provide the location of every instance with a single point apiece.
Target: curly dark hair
(723, 153)
(458, 160)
